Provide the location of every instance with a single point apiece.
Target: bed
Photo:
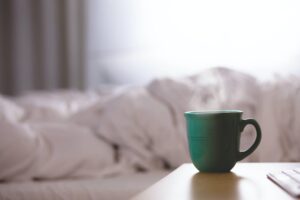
(111, 143)
(117, 187)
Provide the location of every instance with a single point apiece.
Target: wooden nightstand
(245, 181)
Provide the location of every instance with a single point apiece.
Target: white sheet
(77, 134)
(114, 188)
(48, 150)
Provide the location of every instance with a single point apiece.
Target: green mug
(214, 139)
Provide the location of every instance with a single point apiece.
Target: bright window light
(141, 39)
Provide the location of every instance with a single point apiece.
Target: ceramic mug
(214, 139)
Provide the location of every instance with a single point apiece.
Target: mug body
(213, 138)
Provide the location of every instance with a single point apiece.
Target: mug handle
(243, 124)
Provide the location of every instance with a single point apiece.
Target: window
(132, 41)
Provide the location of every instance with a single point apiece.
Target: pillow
(50, 151)
(54, 106)
(10, 111)
(17, 151)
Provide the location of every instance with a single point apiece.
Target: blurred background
(54, 44)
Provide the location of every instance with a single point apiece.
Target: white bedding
(115, 188)
(104, 132)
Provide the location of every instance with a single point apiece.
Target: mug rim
(212, 112)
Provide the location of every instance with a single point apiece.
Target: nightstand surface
(245, 181)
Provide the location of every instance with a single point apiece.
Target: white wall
(133, 41)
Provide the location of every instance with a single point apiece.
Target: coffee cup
(214, 139)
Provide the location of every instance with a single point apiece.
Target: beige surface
(245, 181)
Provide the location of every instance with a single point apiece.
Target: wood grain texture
(245, 181)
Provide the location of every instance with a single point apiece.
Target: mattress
(114, 188)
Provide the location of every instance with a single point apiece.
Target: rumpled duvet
(109, 131)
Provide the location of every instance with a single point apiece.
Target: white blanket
(102, 132)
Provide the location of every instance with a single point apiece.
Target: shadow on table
(215, 186)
